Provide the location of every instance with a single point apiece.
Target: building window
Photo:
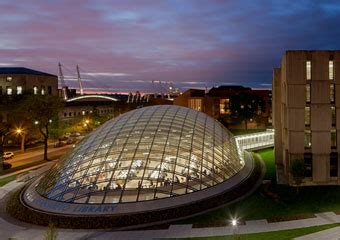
(42, 90)
(224, 106)
(65, 114)
(9, 79)
(333, 111)
(307, 116)
(308, 139)
(0, 90)
(333, 138)
(9, 91)
(19, 90)
(308, 160)
(333, 162)
(35, 90)
(308, 93)
(331, 70)
(332, 93)
(49, 90)
(308, 70)
(195, 103)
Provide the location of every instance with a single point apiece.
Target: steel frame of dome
(148, 159)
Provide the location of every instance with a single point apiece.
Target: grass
(277, 235)
(310, 200)
(267, 156)
(4, 181)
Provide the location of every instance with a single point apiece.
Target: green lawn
(267, 156)
(278, 235)
(288, 204)
(6, 180)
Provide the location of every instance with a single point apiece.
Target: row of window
(330, 70)
(70, 114)
(308, 139)
(331, 93)
(333, 162)
(18, 90)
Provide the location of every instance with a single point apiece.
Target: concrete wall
(289, 102)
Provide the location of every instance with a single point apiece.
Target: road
(37, 155)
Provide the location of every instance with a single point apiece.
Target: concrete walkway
(329, 234)
(11, 228)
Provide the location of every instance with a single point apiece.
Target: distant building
(306, 115)
(216, 102)
(20, 80)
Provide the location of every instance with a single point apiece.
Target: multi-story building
(20, 80)
(306, 115)
(216, 101)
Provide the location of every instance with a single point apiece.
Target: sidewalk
(329, 234)
(18, 230)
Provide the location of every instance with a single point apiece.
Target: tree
(297, 170)
(246, 106)
(41, 111)
(4, 132)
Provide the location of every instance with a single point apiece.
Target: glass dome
(145, 154)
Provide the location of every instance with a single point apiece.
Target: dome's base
(28, 212)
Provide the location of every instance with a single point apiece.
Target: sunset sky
(123, 45)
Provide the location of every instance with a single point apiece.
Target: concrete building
(20, 80)
(306, 115)
(216, 102)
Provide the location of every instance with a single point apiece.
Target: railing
(254, 141)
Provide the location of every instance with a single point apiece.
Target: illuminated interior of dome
(146, 154)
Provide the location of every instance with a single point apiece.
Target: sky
(121, 46)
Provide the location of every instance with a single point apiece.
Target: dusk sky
(124, 45)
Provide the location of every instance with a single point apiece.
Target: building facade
(20, 80)
(306, 116)
(216, 101)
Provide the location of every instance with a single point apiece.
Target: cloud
(192, 43)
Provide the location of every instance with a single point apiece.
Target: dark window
(333, 164)
(308, 161)
(0, 90)
(49, 89)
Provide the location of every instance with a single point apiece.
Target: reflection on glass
(145, 154)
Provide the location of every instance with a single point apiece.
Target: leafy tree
(41, 111)
(245, 106)
(297, 170)
(4, 132)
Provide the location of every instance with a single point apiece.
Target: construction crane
(81, 89)
(62, 81)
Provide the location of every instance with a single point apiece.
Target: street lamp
(20, 132)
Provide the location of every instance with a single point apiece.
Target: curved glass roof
(145, 154)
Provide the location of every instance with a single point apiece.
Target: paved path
(329, 234)
(11, 228)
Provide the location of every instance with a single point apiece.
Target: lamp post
(20, 132)
(234, 224)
